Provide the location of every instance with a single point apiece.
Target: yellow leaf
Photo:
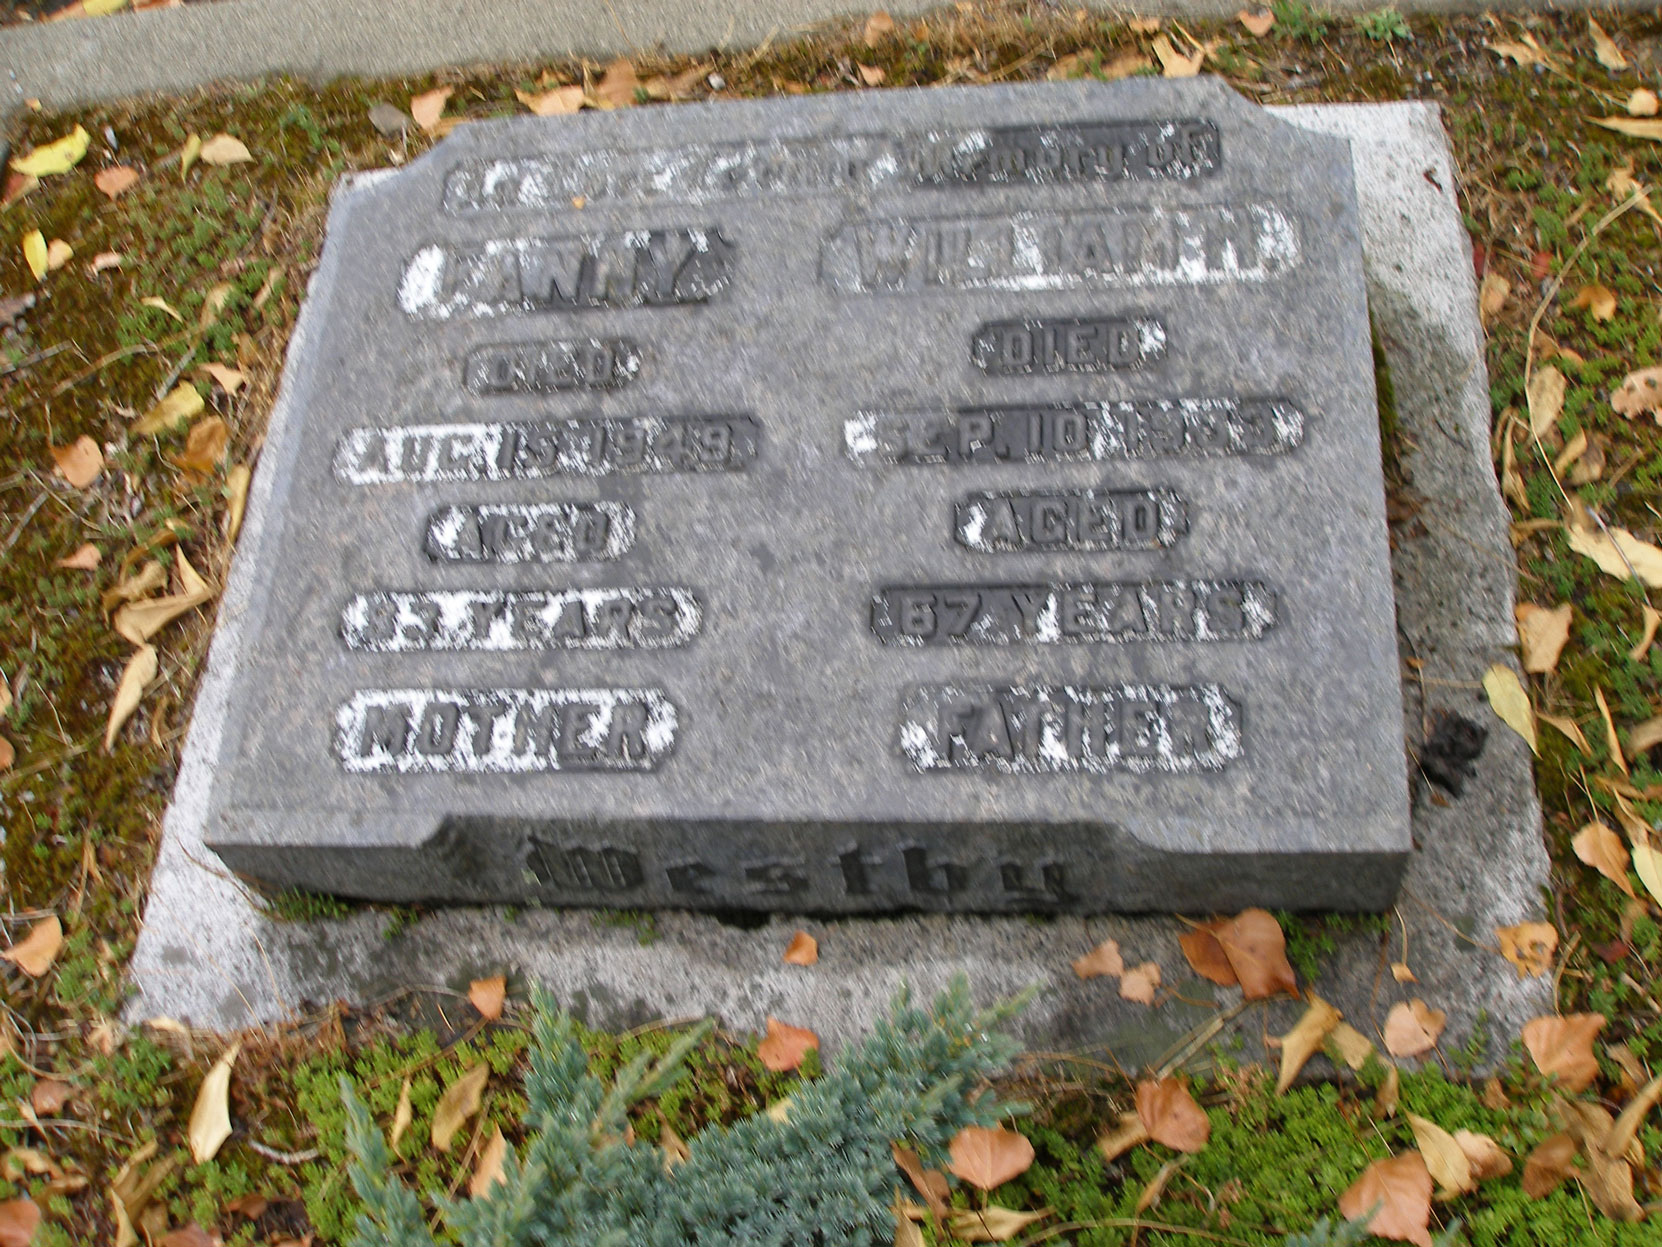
(35, 952)
(1571, 729)
(1605, 49)
(1603, 850)
(401, 1116)
(162, 305)
(1633, 127)
(58, 254)
(223, 149)
(1510, 702)
(428, 107)
(210, 1119)
(188, 154)
(181, 403)
(1529, 946)
(488, 1172)
(1643, 103)
(236, 499)
(1647, 862)
(991, 1224)
(1546, 400)
(85, 559)
(102, 8)
(1650, 618)
(1305, 1040)
(1447, 1162)
(56, 157)
(1610, 738)
(459, 1102)
(140, 670)
(1352, 1046)
(1597, 299)
(1542, 633)
(34, 252)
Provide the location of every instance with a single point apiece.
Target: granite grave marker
(962, 499)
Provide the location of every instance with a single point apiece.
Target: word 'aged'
(532, 449)
(1146, 429)
(1071, 519)
(391, 622)
(1120, 610)
(505, 729)
(1012, 347)
(1205, 245)
(642, 268)
(525, 532)
(1048, 729)
(548, 367)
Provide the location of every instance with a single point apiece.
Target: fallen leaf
(1257, 24)
(116, 179)
(1445, 1159)
(907, 1233)
(188, 154)
(1306, 1038)
(1597, 300)
(1117, 1142)
(1390, 1091)
(1633, 127)
(1103, 959)
(1546, 400)
(989, 1156)
(59, 156)
(680, 86)
(1608, 1181)
(560, 102)
(459, 1102)
(1484, 1155)
(1257, 951)
(1605, 49)
(1174, 64)
(487, 996)
(1142, 25)
(223, 149)
(204, 446)
(19, 1219)
(1548, 1165)
(162, 305)
(1206, 956)
(929, 1183)
(1351, 1045)
(1643, 737)
(1529, 946)
(879, 26)
(1643, 103)
(872, 75)
(1525, 51)
(674, 1148)
(229, 379)
(1610, 738)
(488, 1172)
(991, 1224)
(1139, 984)
(104, 261)
(58, 254)
(1492, 297)
(785, 1046)
(803, 950)
(1625, 1130)
(1620, 554)
(1639, 392)
(1510, 702)
(80, 463)
(1573, 450)
(1171, 1116)
(148, 578)
(34, 253)
(1562, 1047)
(428, 107)
(402, 1115)
(181, 404)
(1649, 619)
(36, 951)
(210, 1118)
(8, 754)
(236, 499)
(617, 85)
(1413, 1028)
(191, 1235)
(139, 621)
(1401, 1189)
(1402, 973)
(1647, 864)
(49, 1095)
(1602, 849)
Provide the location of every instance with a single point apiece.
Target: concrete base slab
(210, 956)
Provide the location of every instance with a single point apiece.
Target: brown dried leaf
(879, 26)
(616, 88)
(1548, 1165)
(19, 1219)
(674, 1148)
(236, 498)
(803, 950)
(1390, 1091)
(1206, 955)
(1529, 946)
(139, 621)
(1117, 1142)
(1643, 737)
(991, 1224)
(1492, 298)
(85, 559)
(181, 404)
(49, 1095)
(560, 102)
(1171, 1116)
(80, 463)
(929, 1183)
(1305, 1040)
(1402, 973)
(459, 1102)
(1510, 702)
(1257, 951)
(1605, 49)
(1413, 1028)
(401, 1116)
(428, 107)
(1175, 64)
(1401, 1188)
(488, 1172)
(230, 379)
(1639, 392)
(1444, 1158)
(1562, 1047)
(488, 996)
(223, 149)
(1350, 1045)
(1610, 738)
(162, 305)
(1626, 1128)
(988, 1157)
(785, 1046)
(210, 1117)
(191, 1235)
(1139, 984)
(1103, 959)
(1643, 103)
(116, 179)
(678, 87)
(1546, 400)
(58, 254)
(141, 668)
(872, 75)
(1619, 553)
(1598, 300)
(204, 446)
(1484, 1155)
(8, 754)
(1524, 50)
(1649, 619)
(36, 951)
(1257, 24)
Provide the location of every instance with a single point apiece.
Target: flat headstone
(953, 500)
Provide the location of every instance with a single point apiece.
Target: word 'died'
(391, 622)
(532, 449)
(548, 367)
(1147, 429)
(642, 268)
(1011, 347)
(1110, 611)
(516, 730)
(542, 532)
(1207, 245)
(1071, 519)
(995, 156)
(1049, 729)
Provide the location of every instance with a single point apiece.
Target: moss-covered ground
(228, 249)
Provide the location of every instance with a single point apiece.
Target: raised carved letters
(1045, 729)
(1015, 347)
(650, 268)
(1070, 519)
(533, 449)
(1163, 148)
(390, 622)
(1030, 251)
(1104, 611)
(547, 367)
(1145, 429)
(513, 730)
(546, 532)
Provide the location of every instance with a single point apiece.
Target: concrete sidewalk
(83, 61)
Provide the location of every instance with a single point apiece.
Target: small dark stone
(1450, 755)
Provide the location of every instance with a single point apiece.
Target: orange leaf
(988, 1157)
(1401, 1187)
(1413, 1028)
(1597, 299)
(1171, 1116)
(1562, 1047)
(872, 75)
(115, 179)
(1140, 983)
(930, 1183)
(803, 950)
(35, 953)
(487, 996)
(1206, 955)
(1603, 850)
(1103, 959)
(204, 446)
(19, 1219)
(488, 1172)
(8, 754)
(1529, 946)
(785, 1046)
(1257, 24)
(80, 463)
(83, 560)
(1257, 952)
(428, 107)
(1548, 1165)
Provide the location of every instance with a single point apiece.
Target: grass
(81, 824)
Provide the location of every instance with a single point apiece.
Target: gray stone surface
(209, 954)
(835, 505)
